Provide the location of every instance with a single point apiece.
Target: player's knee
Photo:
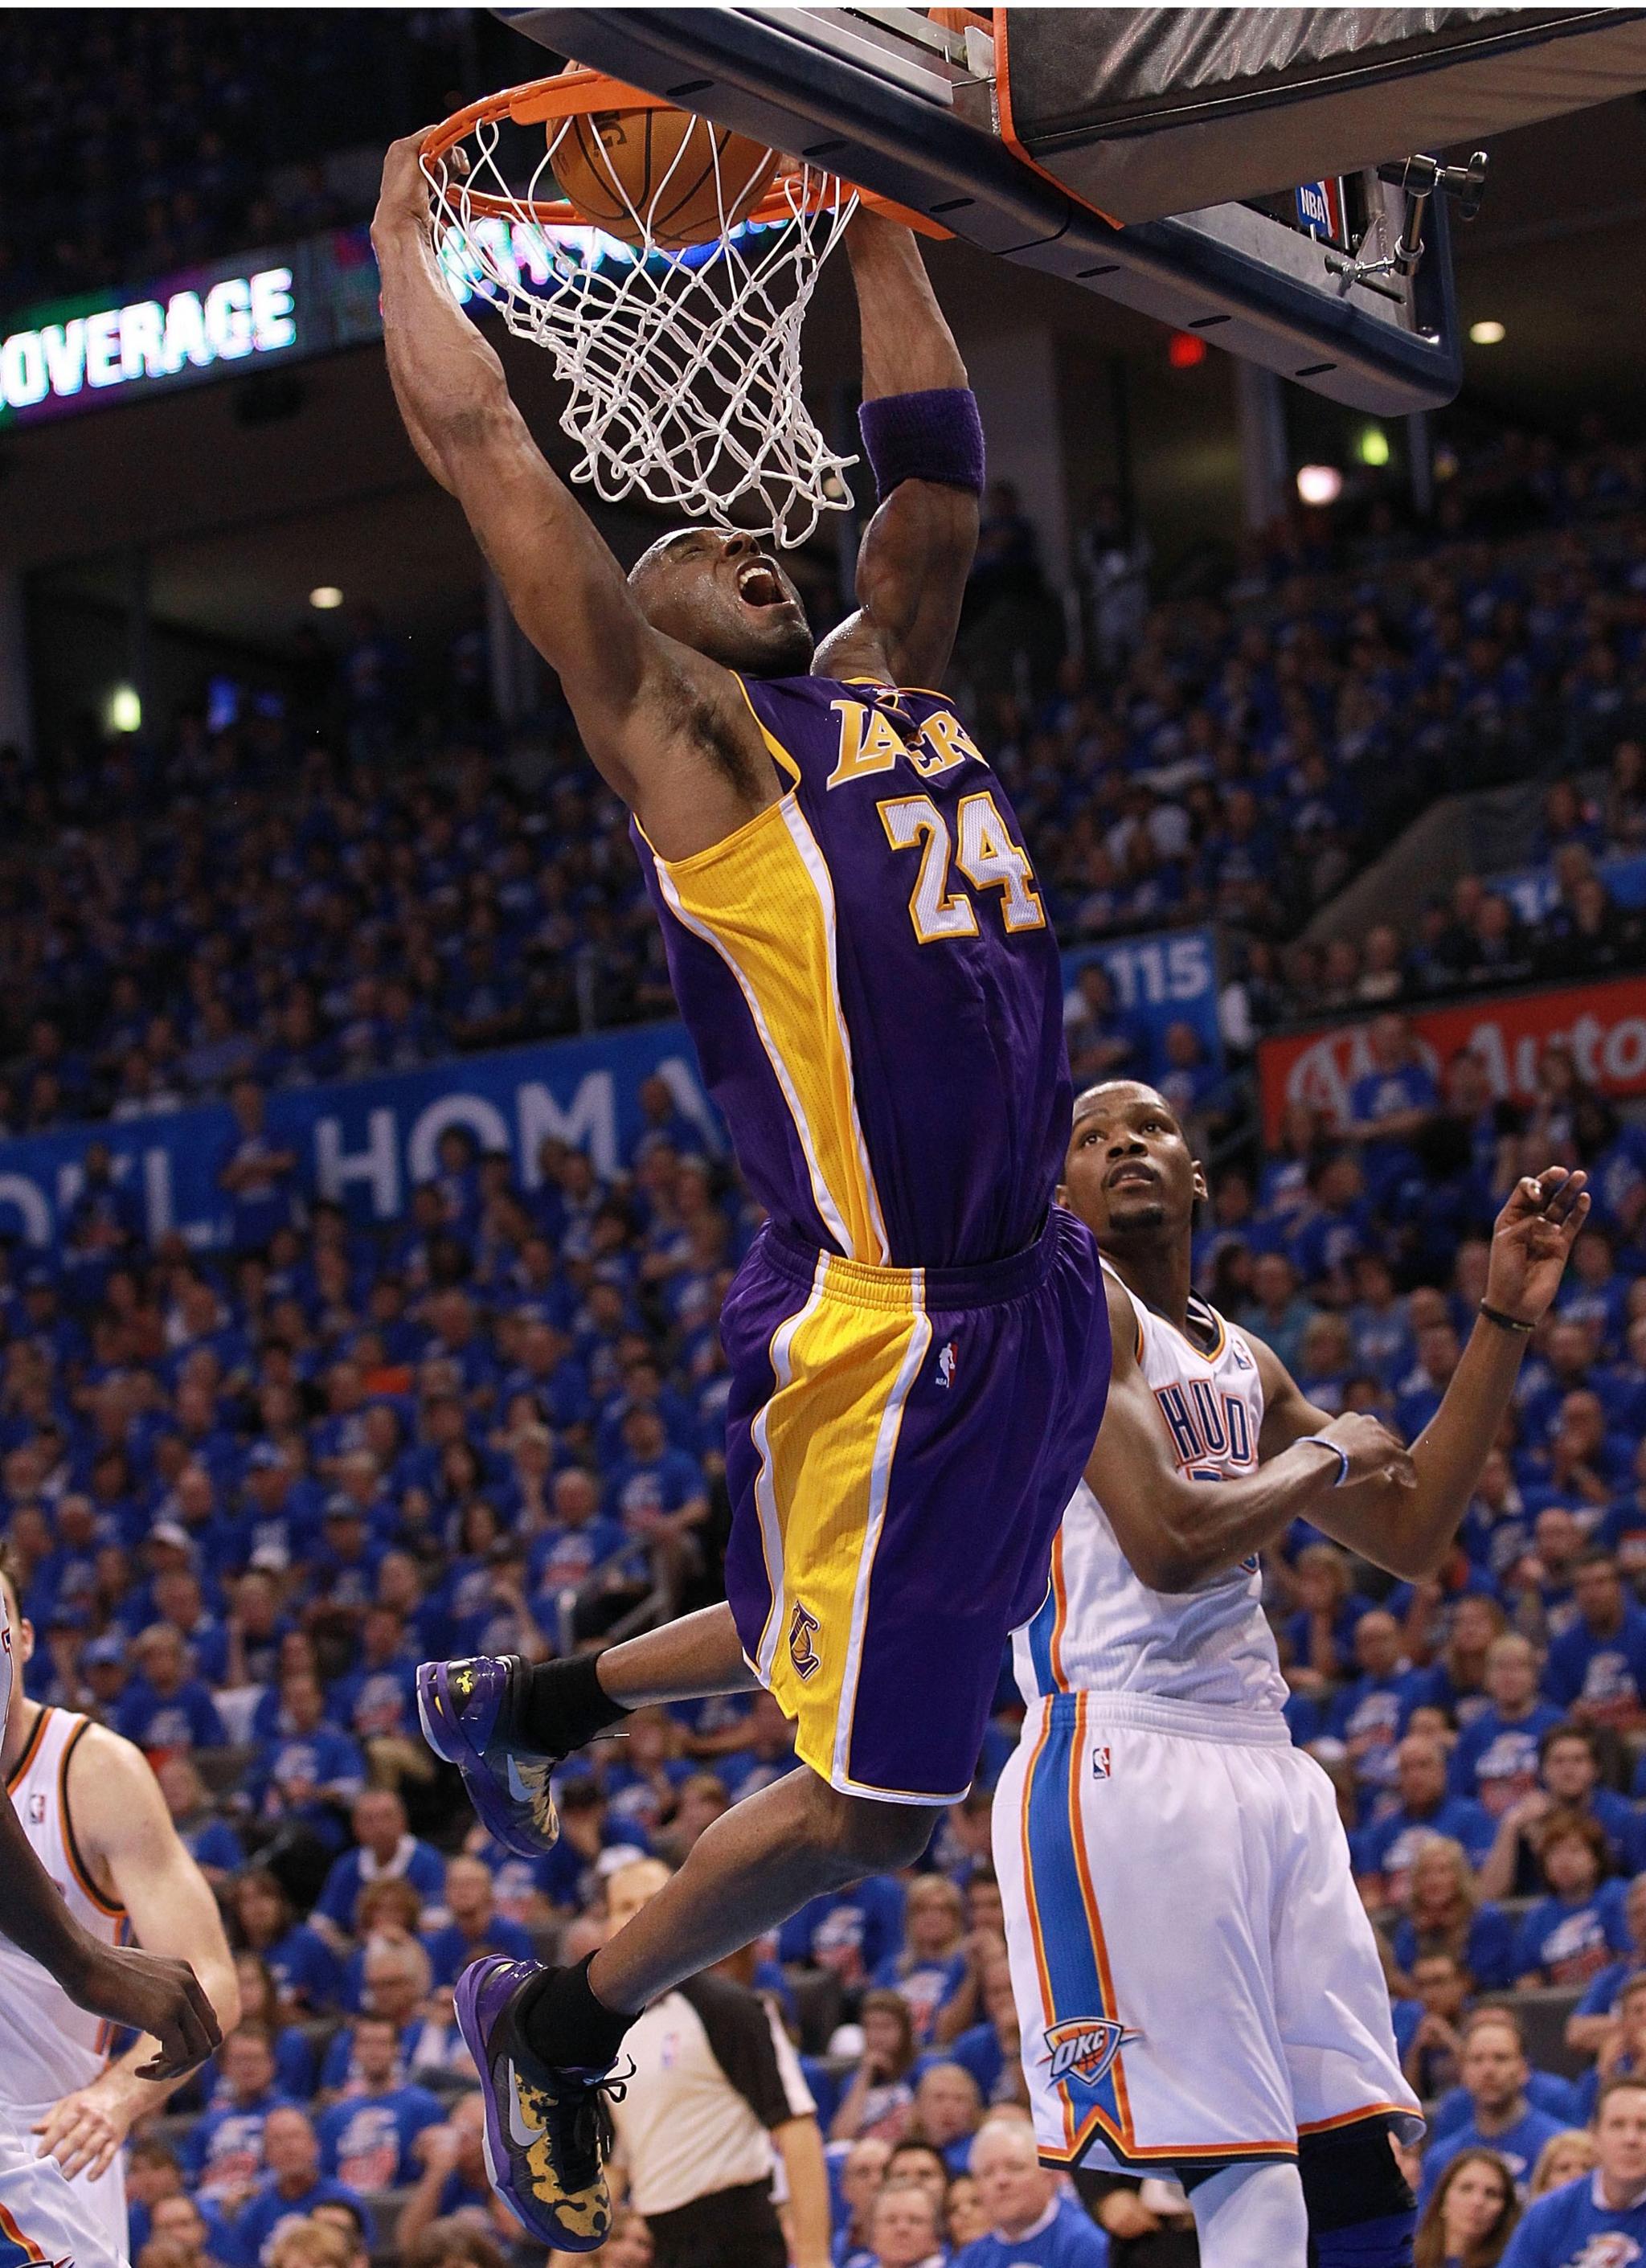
(855, 1836)
(1361, 2207)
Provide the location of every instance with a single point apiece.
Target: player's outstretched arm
(639, 698)
(125, 1834)
(916, 553)
(1176, 1531)
(1409, 1532)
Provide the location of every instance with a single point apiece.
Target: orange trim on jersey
(1036, 1936)
(78, 1867)
(1187, 2154)
(1088, 1898)
(1060, 1614)
(1352, 2117)
(24, 2244)
(30, 1751)
(1008, 131)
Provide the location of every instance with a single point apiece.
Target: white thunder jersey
(49, 2048)
(1162, 1658)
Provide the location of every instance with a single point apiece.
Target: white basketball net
(683, 367)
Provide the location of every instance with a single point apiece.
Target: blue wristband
(934, 436)
(1337, 1449)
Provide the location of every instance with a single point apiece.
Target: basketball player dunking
(918, 1339)
(97, 1832)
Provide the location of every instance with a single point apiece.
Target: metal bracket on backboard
(863, 92)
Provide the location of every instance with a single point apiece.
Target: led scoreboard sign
(218, 321)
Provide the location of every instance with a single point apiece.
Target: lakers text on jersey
(1179, 1905)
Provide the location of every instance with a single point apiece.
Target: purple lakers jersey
(874, 986)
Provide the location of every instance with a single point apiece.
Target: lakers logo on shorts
(1082, 2051)
(803, 1626)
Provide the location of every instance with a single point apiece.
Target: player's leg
(505, 1723)
(1132, 1867)
(1332, 2003)
(1244, 2215)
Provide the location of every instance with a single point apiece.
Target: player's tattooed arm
(1409, 1531)
(917, 551)
(1176, 1531)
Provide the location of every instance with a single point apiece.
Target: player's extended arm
(916, 554)
(1409, 1532)
(1176, 1531)
(126, 1986)
(125, 1831)
(640, 699)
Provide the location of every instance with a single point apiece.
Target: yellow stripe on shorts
(827, 1441)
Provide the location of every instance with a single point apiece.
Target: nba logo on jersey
(1100, 1763)
(946, 1365)
(1082, 2051)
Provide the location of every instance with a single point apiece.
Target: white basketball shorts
(1195, 1975)
(44, 2219)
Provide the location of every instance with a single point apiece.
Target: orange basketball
(661, 164)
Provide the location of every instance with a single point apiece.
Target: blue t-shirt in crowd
(926, 1986)
(1065, 2238)
(1546, 2091)
(224, 2150)
(1571, 1940)
(1389, 1846)
(366, 2140)
(1572, 2228)
(450, 1952)
(1495, 1749)
(1488, 1951)
(186, 1719)
(1583, 1667)
(852, 1932)
(424, 1868)
(306, 1968)
(1517, 2145)
(214, 1844)
(268, 2212)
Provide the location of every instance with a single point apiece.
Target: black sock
(560, 1706)
(561, 2023)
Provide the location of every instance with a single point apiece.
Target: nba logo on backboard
(1320, 210)
(1082, 2051)
(1100, 1763)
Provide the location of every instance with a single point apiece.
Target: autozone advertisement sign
(1605, 1025)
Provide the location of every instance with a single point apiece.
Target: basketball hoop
(672, 304)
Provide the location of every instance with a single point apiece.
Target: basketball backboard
(909, 106)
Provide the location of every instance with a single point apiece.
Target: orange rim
(576, 92)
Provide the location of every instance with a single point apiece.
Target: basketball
(687, 180)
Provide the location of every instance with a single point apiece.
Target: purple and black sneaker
(546, 2138)
(466, 1710)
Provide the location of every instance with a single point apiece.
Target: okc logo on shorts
(803, 1627)
(945, 1361)
(1083, 2052)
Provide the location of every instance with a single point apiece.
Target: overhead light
(1186, 350)
(1319, 483)
(125, 710)
(325, 597)
(1488, 334)
(1372, 445)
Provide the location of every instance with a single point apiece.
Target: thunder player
(99, 1835)
(919, 1336)
(1196, 1980)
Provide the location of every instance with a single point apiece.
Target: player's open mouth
(759, 584)
(1134, 1170)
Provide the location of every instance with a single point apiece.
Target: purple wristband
(935, 436)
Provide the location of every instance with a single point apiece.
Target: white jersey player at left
(1198, 1986)
(93, 1813)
